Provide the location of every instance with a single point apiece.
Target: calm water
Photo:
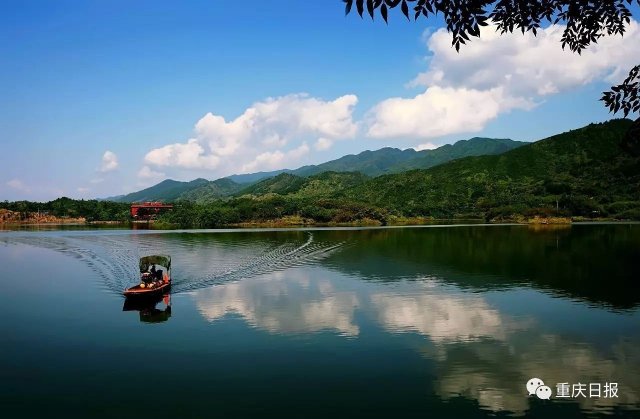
(410, 322)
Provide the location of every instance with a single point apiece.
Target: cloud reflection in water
(283, 303)
(480, 351)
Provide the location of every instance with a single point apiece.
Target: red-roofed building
(148, 210)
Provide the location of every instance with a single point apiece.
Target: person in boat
(150, 275)
(146, 277)
(154, 273)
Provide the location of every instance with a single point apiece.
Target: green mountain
(581, 172)
(282, 184)
(210, 191)
(324, 184)
(393, 160)
(254, 177)
(167, 190)
(328, 184)
(476, 146)
(370, 163)
(584, 172)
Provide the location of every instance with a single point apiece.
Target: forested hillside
(580, 172)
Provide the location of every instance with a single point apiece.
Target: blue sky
(101, 98)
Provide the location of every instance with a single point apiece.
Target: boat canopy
(147, 261)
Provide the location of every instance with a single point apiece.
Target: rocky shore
(14, 217)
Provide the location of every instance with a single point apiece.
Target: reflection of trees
(593, 263)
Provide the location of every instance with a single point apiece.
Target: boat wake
(282, 257)
(195, 265)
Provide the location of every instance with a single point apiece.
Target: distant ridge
(394, 160)
(167, 190)
(369, 163)
(254, 177)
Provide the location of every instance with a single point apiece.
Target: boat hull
(137, 291)
(159, 286)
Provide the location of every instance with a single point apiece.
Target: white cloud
(18, 185)
(271, 132)
(323, 144)
(425, 146)
(440, 111)
(147, 173)
(276, 159)
(147, 177)
(494, 75)
(109, 162)
(527, 65)
(462, 92)
(189, 155)
(96, 180)
(298, 152)
(83, 190)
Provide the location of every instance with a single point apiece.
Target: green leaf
(405, 9)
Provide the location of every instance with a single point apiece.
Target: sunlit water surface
(404, 322)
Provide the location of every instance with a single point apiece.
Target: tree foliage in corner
(586, 21)
(625, 96)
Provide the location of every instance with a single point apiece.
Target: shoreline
(536, 222)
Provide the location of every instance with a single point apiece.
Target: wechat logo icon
(535, 386)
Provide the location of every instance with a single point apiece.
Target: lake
(436, 321)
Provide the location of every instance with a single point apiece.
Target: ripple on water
(195, 265)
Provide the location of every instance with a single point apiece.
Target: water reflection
(592, 263)
(283, 302)
(494, 373)
(466, 315)
(148, 308)
(310, 300)
(440, 316)
(480, 351)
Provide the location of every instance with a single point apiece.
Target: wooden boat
(153, 283)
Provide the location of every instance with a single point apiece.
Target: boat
(153, 281)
